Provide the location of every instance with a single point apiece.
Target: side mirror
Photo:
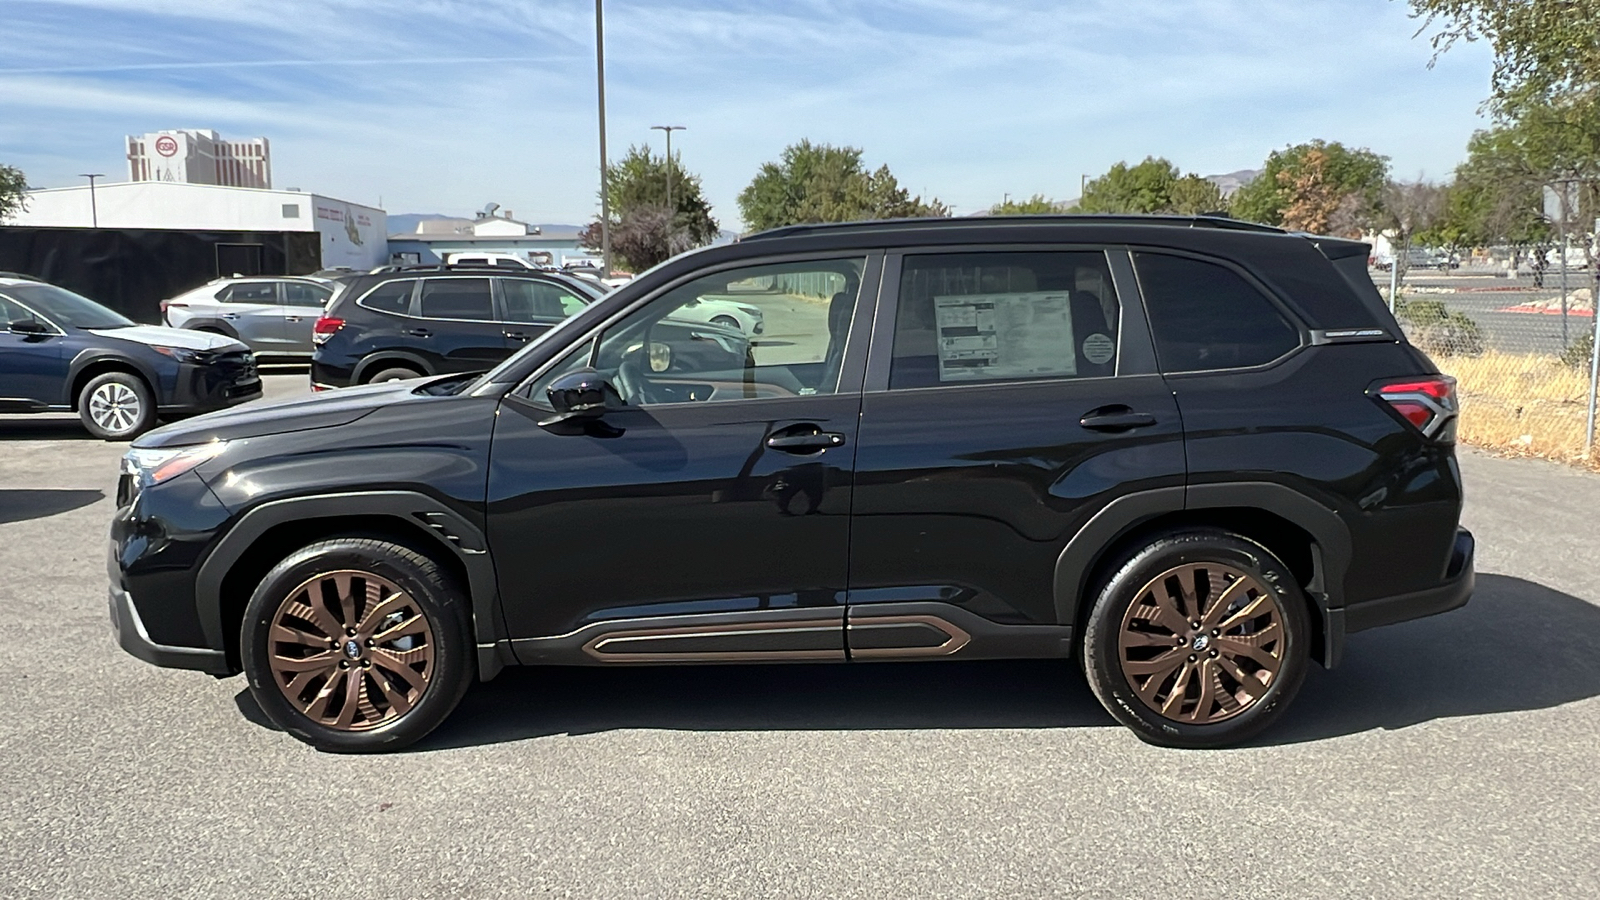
(27, 326)
(580, 396)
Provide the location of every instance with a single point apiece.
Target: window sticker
(990, 336)
(1098, 349)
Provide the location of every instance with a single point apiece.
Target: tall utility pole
(605, 164)
(669, 129)
(94, 208)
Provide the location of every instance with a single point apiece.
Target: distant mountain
(1230, 183)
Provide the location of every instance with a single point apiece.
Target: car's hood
(262, 417)
(162, 336)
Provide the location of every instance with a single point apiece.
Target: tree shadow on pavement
(20, 505)
(1516, 645)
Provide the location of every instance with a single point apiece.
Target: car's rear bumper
(132, 637)
(1451, 593)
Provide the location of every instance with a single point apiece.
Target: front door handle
(517, 336)
(805, 443)
(230, 316)
(1115, 418)
(420, 332)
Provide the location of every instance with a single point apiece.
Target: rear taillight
(1429, 404)
(324, 329)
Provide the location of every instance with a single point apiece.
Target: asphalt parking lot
(1449, 757)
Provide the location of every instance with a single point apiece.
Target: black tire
(1103, 655)
(438, 601)
(393, 373)
(117, 406)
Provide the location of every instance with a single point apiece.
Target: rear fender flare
(377, 361)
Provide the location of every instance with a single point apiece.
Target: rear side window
(528, 300)
(457, 298)
(390, 297)
(296, 293)
(975, 318)
(1207, 316)
(249, 292)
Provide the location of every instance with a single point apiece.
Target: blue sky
(444, 105)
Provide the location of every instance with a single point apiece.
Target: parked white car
(503, 260)
(274, 315)
(727, 313)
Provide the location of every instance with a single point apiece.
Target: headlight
(184, 354)
(155, 465)
(752, 311)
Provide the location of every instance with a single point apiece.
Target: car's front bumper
(132, 637)
(201, 388)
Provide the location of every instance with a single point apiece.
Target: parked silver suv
(274, 315)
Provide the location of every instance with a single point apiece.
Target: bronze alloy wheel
(1202, 642)
(350, 650)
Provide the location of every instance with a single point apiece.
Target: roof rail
(1204, 220)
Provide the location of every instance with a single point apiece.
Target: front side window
(1207, 316)
(527, 300)
(758, 332)
(390, 297)
(63, 307)
(975, 318)
(296, 293)
(457, 298)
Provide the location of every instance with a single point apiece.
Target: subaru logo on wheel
(352, 649)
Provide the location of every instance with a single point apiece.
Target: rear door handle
(230, 316)
(420, 332)
(805, 443)
(1115, 418)
(517, 336)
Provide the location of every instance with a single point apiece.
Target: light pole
(605, 185)
(94, 209)
(669, 129)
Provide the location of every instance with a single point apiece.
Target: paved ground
(1448, 757)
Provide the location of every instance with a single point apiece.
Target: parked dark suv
(1192, 453)
(405, 322)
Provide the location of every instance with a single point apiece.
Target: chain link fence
(1517, 331)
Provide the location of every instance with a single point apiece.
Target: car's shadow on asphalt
(1516, 646)
(30, 428)
(22, 504)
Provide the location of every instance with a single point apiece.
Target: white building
(436, 239)
(199, 157)
(350, 234)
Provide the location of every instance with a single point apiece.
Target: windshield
(66, 308)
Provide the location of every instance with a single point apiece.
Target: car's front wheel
(1198, 639)
(117, 406)
(357, 645)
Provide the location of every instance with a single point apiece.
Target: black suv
(62, 352)
(405, 322)
(1192, 453)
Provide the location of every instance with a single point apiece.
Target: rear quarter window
(390, 297)
(1207, 316)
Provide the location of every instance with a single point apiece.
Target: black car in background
(406, 322)
(1193, 453)
(61, 352)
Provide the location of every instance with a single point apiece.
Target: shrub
(1577, 354)
(1437, 330)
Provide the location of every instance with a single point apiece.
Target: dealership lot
(1452, 756)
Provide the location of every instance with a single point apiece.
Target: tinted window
(745, 334)
(966, 318)
(1207, 316)
(391, 297)
(66, 308)
(510, 263)
(298, 293)
(529, 301)
(250, 292)
(11, 312)
(457, 298)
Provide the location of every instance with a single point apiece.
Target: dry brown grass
(1522, 405)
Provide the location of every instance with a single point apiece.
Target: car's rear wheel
(393, 373)
(357, 645)
(117, 406)
(1198, 640)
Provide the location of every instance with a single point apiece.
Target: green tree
(1314, 186)
(1154, 186)
(637, 185)
(823, 183)
(13, 191)
(1037, 205)
(1544, 50)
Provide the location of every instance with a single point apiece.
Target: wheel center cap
(352, 649)
(1201, 641)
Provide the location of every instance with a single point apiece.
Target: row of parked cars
(65, 352)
